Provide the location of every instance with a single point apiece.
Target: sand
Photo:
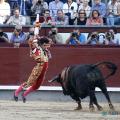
(45, 110)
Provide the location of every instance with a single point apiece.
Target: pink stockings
(30, 89)
(19, 90)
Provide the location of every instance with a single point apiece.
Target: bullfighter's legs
(16, 93)
(78, 100)
(30, 89)
(105, 92)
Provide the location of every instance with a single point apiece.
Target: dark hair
(16, 8)
(109, 35)
(46, 10)
(95, 11)
(60, 10)
(114, 29)
(43, 40)
(80, 12)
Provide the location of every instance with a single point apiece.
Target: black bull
(80, 81)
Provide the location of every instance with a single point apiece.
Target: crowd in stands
(61, 12)
(110, 37)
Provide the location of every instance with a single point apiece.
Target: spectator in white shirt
(4, 11)
(16, 19)
(70, 8)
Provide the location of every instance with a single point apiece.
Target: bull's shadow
(80, 81)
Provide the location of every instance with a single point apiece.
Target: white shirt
(67, 9)
(21, 20)
(113, 8)
(4, 11)
(117, 38)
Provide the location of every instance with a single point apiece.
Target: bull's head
(57, 78)
(62, 78)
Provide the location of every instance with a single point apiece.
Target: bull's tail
(111, 66)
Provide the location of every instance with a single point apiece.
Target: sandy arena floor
(44, 110)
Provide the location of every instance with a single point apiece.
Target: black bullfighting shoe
(23, 98)
(15, 97)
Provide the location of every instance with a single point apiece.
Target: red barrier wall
(16, 65)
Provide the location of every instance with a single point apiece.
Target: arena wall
(16, 65)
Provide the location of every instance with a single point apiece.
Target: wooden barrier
(66, 29)
(16, 65)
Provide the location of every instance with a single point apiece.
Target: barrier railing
(64, 29)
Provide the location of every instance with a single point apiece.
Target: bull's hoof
(92, 108)
(112, 107)
(78, 108)
(100, 108)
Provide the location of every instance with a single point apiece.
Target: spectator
(76, 38)
(16, 19)
(54, 6)
(113, 11)
(69, 8)
(3, 36)
(18, 36)
(38, 7)
(101, 7)
(101, 38)
(81, 18)
(85, 6)
(55, 36)
(28, 5)
(79, 2)
(34, 2)
(116, 35)
(61, 18)
(4, 11)
(25, 6)
(13, 4)
(95, 19)
(93, 39)
(110, 38)
(46, 18)
(25, 10)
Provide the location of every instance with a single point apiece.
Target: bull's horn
(53, 79)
